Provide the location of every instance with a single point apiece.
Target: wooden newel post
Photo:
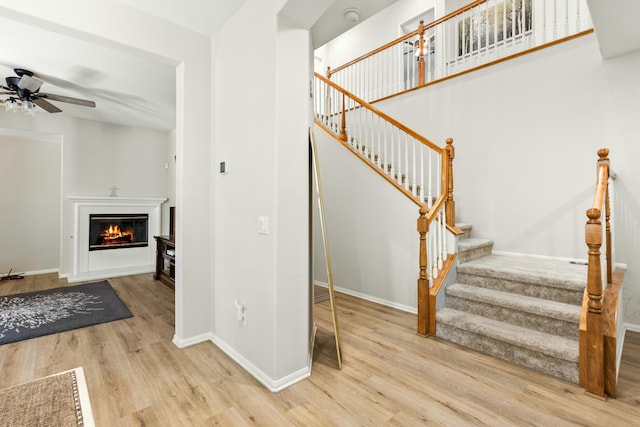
(421, 73)
(450, 204)
(423, 281)
(595, 341)
(343, 122)
(328, 72)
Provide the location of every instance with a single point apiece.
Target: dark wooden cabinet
(165, 260)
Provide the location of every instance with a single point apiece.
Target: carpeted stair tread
(540, 342)
(473, 243)
(537, 306)
(542, 271)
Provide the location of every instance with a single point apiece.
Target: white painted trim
(118, 201)
(402, 307)
(187, 342)
(36, 272)
(89, 265)
(272, 385)
(631, 327)
(621, 266)
(107, 274)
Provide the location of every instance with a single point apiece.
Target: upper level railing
(483, 32)
(420, 169)
(598, 372)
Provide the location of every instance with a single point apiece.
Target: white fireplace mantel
(89, 265)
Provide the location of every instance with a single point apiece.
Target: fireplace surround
(123, 257)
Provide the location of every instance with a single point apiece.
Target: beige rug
(58, 400)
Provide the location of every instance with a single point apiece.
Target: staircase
(522, 309)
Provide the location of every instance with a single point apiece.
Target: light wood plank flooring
(391, 376)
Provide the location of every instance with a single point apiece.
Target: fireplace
(117, 231)
(132, 259)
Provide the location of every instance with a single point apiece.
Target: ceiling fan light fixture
(15, 106)
(11, 105)
(29, 83)
(29, 108)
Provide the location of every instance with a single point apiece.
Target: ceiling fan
(24, 93)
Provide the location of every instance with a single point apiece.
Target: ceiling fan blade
(45, 105)
(68, 99)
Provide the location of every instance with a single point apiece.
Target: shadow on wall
(626, 229)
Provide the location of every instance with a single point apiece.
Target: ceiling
(133, 90)
(333, 22)
(615, 26)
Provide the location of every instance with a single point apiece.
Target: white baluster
(429, 176)
(434, 254)
(441, 239)
(445, 252)
(414, 184)
(386, 143)
(429, 275)
(406, 161)
(392, 171)
(422, 148)
(378, 154)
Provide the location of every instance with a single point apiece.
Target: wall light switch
(224, 167)
(263, 224)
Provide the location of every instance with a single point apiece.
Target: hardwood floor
(391, 376)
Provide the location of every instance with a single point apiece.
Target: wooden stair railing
(417, 167)
(599, 320)
(477, 35)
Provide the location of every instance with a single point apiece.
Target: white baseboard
(366, 297)
(186, 342)
(36, 272)
(632, 327)
(107, 274)
(272, 385)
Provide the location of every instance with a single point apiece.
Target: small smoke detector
(352, 14)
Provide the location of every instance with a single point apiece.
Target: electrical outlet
(263, 224)
(241, 312)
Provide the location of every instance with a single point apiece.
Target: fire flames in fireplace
(114, 236)
(116, 231)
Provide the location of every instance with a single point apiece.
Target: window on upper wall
(493, 25)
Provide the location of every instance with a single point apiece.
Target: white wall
(371, 229)
(526, 134)
(30, 178)
(260, 130)
(190, 53)
(92, 157)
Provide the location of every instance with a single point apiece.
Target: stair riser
(566, 370)
(471, 254)
(549, 325)
(466, 233)
(566, 296)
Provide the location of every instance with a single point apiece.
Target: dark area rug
(35, 314)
